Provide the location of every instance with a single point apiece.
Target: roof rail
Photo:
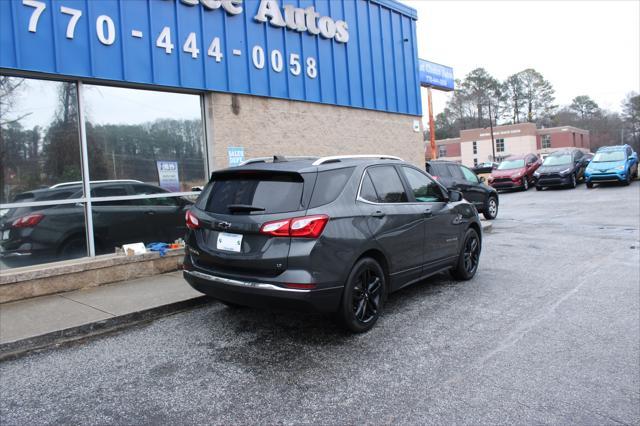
(335, 158)
(63, 184)
(275, 159)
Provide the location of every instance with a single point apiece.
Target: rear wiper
(244, 208)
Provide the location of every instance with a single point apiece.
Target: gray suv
(333, 234)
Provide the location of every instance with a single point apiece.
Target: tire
(73, 248)
(627, 181)
(574, 181)
(525, 184)
(538, 188)
(491, 208)
(589, 185)
(361, 306)
(469, 257)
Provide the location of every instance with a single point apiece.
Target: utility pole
(493, 145)
(432, 126)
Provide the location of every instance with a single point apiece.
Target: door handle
(428, 212)
(378, 214)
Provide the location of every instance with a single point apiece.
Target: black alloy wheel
(574, 182)
(363, 296)
(469, 257)
(525, 183)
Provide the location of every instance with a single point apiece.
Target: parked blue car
(612, 164)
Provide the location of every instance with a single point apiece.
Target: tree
(584, 106)
(631, 118)
(481, 89)
(538, 95)
(513, 98)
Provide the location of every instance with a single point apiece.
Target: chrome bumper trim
(245, 284)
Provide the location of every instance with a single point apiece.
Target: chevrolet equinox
(332, 234)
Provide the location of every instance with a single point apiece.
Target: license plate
(229, 242)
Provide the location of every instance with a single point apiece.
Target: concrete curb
(18, 348)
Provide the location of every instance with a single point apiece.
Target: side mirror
(455, 196)
(482, 179)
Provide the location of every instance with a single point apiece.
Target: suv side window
(388, 184)
(628, 151)
(367, 191)
(469, 175)
(424, 189)
(147, 190)
(110, 191)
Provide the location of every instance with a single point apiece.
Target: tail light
(303, 227)
(28, 221)
(435, 177)
(192, 220)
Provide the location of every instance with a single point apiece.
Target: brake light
(303, 227)
(435, 177)
(192, 220)
(28, 221)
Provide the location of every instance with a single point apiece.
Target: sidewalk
(42, 321)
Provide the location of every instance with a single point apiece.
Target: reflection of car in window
(47, 233)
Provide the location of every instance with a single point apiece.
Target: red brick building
(474, 145)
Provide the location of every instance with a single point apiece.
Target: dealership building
(474, 145)
(163, 92)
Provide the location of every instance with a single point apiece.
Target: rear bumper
(264, 294)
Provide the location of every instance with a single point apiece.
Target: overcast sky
(582, 47)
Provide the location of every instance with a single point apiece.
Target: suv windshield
(557, 160)
(605, 156)
(511, 164)
(257, 193)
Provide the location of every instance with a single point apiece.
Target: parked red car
(515, 171)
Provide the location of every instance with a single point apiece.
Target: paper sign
(168, 175)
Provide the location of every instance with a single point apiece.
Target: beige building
(267, 126)
(474, 145)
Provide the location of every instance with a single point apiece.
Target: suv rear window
(438, 169)
(267, 192)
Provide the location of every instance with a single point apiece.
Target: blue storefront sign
(436, 76)
(236, 155)
(359, 53)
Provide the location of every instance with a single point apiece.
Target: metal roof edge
(398, 7)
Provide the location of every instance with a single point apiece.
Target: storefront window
(151, 137)
(39, 140)
(145, 150)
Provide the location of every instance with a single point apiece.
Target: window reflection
(39, 142)
(152, 137)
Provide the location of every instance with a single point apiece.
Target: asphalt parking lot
(547, 332)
